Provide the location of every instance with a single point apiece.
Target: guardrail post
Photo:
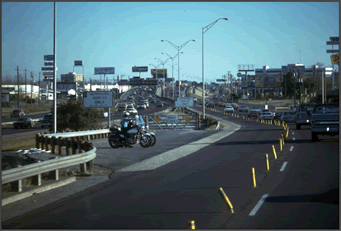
(90, 163)
(38, 144)
(36, 180)
(16, 186)
(47, 143)
(54, 175)
(68, 146)
(81, 147)
(60, 145)
(74, 145)
(53, 145)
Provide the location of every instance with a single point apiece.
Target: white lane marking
(184, 132)
(293, 138)
(258, 205)
(291, 148)
(293, 133)
(283, 166)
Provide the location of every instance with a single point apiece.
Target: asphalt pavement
(300, 193)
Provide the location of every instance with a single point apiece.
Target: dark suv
(17, 113)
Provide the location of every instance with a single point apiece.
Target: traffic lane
(304, 195)
(32, 116)
(118, 158)
(10, 130)
(167, 197)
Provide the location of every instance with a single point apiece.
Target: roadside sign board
(104, 70)
(333, 51)
(157, 119)
(48, 58)
(184, 102)
(78, 63)
(172, 119)
(335, 59)
(140, 69)
(97, 99)
(187, 118)
(47, 68)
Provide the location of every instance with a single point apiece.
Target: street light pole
(204, 29)
(172, 58)
(163, 84)
(179, 48)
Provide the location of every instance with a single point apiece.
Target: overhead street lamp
(172, 58)
(179, 48)
(164, 79)
(204, 29)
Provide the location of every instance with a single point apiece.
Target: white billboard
(184, 102)
(104, 70)
(97, 99)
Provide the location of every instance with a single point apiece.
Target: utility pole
(31, 88)
(25, 87)
(39, 89)
(18, 88)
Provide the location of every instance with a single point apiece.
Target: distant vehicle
(254, 112)
(141, 106)
(277, 115)
(243, 109)
(17, 113)
(234, 105)
(121, 106)
(288, 117)
(302, 116)
(46, 121)
(266, 116)
(25, 122)
(145, 101)
(131, 97)
(210, 104)
(228, 109)
(131, 110)
(159, 103)
(324, 120)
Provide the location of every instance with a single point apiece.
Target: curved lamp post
(179, 48)
(172, 58)
(204, 29)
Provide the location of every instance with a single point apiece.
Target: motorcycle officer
(130, 123)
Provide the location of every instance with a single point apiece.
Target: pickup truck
(324, 120)
(302, 116)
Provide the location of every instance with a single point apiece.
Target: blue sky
(125, 34)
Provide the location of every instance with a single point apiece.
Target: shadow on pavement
(259, 130)
(246, 142)
(329, 197)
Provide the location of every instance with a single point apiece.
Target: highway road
(300, 192)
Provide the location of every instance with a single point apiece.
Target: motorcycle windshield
(142, 121)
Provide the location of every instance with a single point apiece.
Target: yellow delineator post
(280, 144)
(274, 151)
(282, 139)
(226, 199)
(267, 162)
(253, 175)
(191, 224)
(287, 133)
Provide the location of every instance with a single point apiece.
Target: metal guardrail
(35, 169)
(77, 134)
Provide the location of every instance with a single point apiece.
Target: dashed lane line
(283, 166)
(258, 205)
(291, 148)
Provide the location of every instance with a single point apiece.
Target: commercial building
(72, 77)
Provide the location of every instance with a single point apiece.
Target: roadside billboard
(104, 70)
(158, 73)
(140, 69)
(259, 81)
(78, 63)
(97, 99)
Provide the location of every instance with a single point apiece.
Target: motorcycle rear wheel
(113, 144)
(145, 141)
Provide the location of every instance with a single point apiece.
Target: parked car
(24, 122)
(141, 106)
(324, 120)
(17, 113)
(302, 116)
(229, 109)
(254, 112)
(288, 117)
(243, 109)
(46, 121)
(159, 103)
(266, 116)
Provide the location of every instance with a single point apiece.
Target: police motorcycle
(144, 130)
(133, 129)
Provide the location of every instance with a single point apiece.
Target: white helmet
(126, 114)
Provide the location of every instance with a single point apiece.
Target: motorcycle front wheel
(153, 140)
(145, 141)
